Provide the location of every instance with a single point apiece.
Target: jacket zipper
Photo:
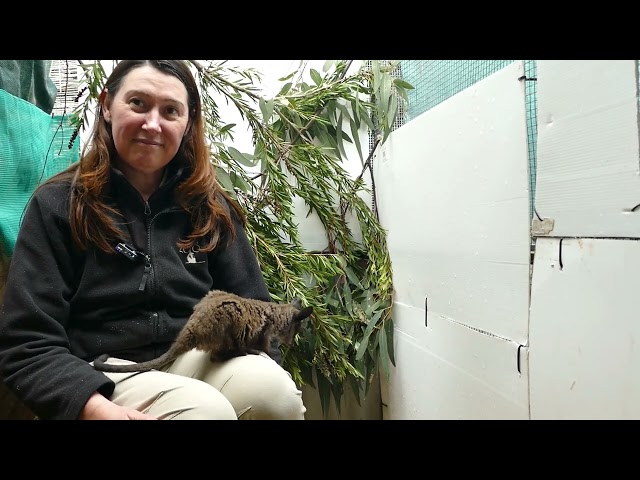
(147, 271)
(147, 257)
(147, 265)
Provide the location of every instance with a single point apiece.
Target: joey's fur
(226, 325)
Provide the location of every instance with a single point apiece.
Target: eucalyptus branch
(313, 119)
(367, 163)
(213, 78)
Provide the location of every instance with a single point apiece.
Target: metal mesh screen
(530, 98)
(65, 75)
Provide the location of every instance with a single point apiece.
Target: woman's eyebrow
(147, 94)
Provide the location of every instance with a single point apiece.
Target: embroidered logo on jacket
(191, 254)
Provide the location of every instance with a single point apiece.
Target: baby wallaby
(226, 325)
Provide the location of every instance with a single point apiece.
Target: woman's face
(149, 116)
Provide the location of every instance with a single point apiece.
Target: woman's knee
(189, 399)
(260, 389)
(168, 396)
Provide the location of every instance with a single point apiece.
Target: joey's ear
(302, 314)
(297, 303)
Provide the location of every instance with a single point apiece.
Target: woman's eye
(136, 101)
(172, 111)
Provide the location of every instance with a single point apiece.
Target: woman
(112, 256)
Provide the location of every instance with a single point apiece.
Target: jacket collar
(173, 174)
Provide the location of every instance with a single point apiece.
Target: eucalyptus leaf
(239, 182)
(385, 96)
(389, 332)
(266, 107)
(355, 112)
(352, 276)
(403, 94)
(356, 389)
(315, 76)
(324, 389)
(403, 84)
(339, 139)
(285, 89)
(331, 112)
(384, 353)
(393, 111)
(224, 179)
(375, 68)
(246, 159)
(371, 307)
(288, 77)
(365, 338)
(346, 291)
(364, 116)
(356, 136)
(346, 137)
(227, 128)
(343, 108)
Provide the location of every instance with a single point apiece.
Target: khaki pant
(250, 387)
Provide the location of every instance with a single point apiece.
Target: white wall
(452, 187)
(588, 149)
(584, 329)
(453, 195)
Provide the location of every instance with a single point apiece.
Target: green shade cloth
(29, 80)
(33, 147)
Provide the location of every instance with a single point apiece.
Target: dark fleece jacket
(63, 307)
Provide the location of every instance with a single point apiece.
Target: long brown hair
(92, 217)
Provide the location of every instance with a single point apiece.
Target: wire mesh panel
(65, 75)
(530, 98)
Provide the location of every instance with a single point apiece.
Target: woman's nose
(152, 121)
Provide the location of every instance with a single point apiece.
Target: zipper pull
(147, 208)
(145, 275)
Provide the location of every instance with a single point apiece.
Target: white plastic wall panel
(452, 189)
(449, 371)
(584, 355)
(587, 153)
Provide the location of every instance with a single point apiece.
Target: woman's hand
(100, 408)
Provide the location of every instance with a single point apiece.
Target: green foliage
(299, 139)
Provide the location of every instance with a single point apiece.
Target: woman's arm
(35, 361)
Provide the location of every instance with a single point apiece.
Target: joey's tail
(157, 363)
